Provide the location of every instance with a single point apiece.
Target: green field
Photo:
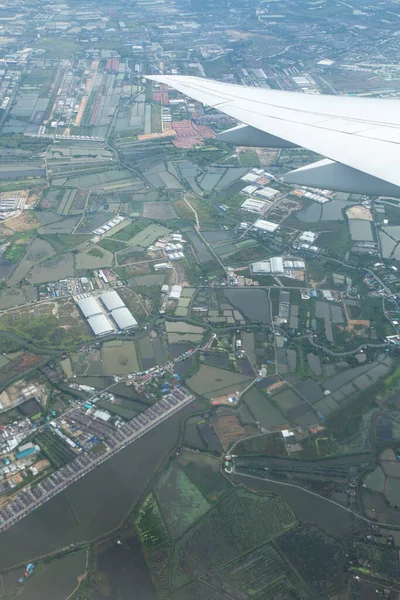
(181, 502)
(150, 524)
(55, 449)
(235, 525)
(204, 471)
(212, 381)
(120, 358)
(93, 258)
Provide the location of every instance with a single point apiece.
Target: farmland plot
(150, 524)
(235, 525)
(209, 380)
(94, 258)
(318, 557)
(257, 569)
(204, 471)
(181, 502)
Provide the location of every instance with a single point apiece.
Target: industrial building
(266, 226)
(100, 325)
(98, 315)
(89, 306)
(277, 265)
(308, 236)
(112, 300)
(266, 192)
(254, 206)
(175, 293)
(124, 318)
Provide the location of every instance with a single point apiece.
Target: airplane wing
(360, 137)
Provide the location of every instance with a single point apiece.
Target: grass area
(180, 501)
(125, 234)
(15, 252)
(64, 242)
(150, 524)
(57, 47)
(249, 158)
(21, 184)
(55, 449)
(44, 328)
(111, 245)
(235, 525)
(336, 243)
(120, 358)
(156, 125)
(204, 471)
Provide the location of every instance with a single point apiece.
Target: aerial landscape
(199, 359)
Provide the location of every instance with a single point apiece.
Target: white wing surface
(361, 133)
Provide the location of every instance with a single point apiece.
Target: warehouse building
(124, 319)
(89, 306)
(175, 293)
(254, 206)
(266, 226)
(112, 300)
(100, 325)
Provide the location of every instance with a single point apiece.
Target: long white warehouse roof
(100, 325)
(124, 318)
(111, 300)
(89, 306)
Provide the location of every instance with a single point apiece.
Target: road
(292, 485)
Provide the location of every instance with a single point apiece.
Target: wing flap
(355, 139)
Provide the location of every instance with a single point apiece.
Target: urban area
(189, 347)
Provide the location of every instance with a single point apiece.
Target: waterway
(95, 504)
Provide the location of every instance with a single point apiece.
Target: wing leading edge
(362, 134)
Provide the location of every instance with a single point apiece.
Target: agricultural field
(204, 471)
(137, 235)
(119, 358)
(235, 525)
(317, 557)
(384, 560)
(150, 524)
(179, 332)
(181, 502)
(213, 382)
(263, 410)
(55, 449)
(53, 269)
(257, 569)
(93, 258)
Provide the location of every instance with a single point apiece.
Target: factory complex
(106, 314)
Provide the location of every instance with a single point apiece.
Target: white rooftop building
(100, 325)
(308, 236)
(249, 189)
(89, 306)
(112, 300)
(124, 318)
(266, 192)
(175, 293)
(261, 267)
(276, 263)
(267, 226)
(253, 205)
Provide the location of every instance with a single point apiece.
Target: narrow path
(195, 214)
(83, 212)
